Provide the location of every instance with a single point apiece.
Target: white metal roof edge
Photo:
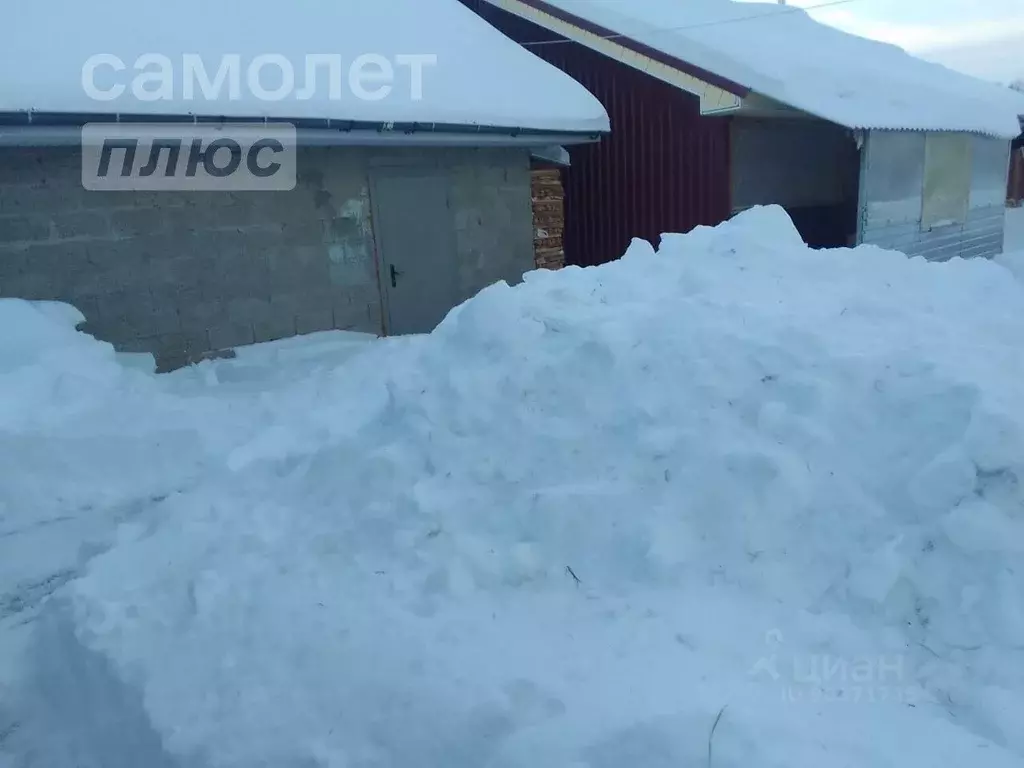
(760, 104)
(713, 100)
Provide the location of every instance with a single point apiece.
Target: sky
(984, 38)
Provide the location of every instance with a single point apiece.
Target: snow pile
(1013, 243)
(47, 373)
(84, 443)
(784, 54)
(576, 522)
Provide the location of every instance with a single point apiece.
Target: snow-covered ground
(1013, 242)
(736, 503)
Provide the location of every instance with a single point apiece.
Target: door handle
(394, 276)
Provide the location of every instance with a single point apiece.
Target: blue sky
(984, 38)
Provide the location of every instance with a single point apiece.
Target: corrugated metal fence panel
(664, 168)
(892, 199)
(980, 236)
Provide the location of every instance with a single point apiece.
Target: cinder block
(185, 344)
(142, 344)
(23, 166)
(13, 260)
(168, 246)
(288, 303)
(34, 286)
(120, 278)
(168, 293)
(314, 320)
(238, 215)
(170, 270)
(313, 282)
(24, 229)
(279, 326)
(348, 316)
(125, 305)
(166, 199)
(177, 350)
(161, 319)
(135, 222)
(197, 314)
(81, 224)
(89, 199)
(346, 274)
(231, 335)
(107, 254)
(64, 262)
(32, 199)
(242, 261)
(250, 310)
(304, 231)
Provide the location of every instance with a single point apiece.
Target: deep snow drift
(587, 517)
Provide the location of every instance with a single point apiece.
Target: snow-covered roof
(782, 53)
(480, 76)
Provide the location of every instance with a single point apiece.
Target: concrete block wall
(184, 274)
(492, 205)
(181, 274)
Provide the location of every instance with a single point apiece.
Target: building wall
(184, 274)
(892, 184)
(810, 167)
(791, 162)
(492, 215)
(1015, 188)
(664, 168)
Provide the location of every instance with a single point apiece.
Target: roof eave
(40, 128)
(630, 43)
(760, 105)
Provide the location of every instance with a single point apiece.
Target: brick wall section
(548, 218)
(184, 274)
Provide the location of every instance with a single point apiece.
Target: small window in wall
(947, 179)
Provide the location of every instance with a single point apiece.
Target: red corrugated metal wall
(1015, 190)
(663, 169)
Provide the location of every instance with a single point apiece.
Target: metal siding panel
(990, 165)
(1015, 186)
(664, 168)
(894, 176)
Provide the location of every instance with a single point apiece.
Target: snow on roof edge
(314, 54)
(868, 125)
(630, 41)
